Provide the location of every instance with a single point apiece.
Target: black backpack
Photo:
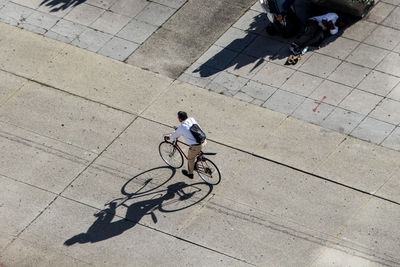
(197, 133)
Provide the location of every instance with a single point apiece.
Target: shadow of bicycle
(147, 193)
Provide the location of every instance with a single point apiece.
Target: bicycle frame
(176, 143)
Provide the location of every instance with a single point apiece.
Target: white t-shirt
(329, 17)
(184, 130)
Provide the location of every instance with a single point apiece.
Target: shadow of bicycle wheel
(148, 181)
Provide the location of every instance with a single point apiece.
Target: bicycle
(172, 154)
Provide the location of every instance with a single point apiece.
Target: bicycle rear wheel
(208, 171)
(170, 154)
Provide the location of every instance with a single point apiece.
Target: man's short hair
(182, 115)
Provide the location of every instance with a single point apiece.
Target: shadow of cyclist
(104, 227)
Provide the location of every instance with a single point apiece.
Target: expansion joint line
(72, 181)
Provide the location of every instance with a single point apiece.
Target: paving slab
(28, 3)
(282, 238)
(136, 31)
(385, 111)
(68, 29)
(187, 35)
(134, 245)
(301, 83)
(360, 101)
(395, 93)
(245, 66)
(84, 14)
(320, 65)
(110, 22)
(9, 85)
(242, 39)
(227, 83)
(73, 120)
(367, 172)
(137, 146)
(384, 37)
(349, 74)
(199, 76)
(20, 205)
(101, 3)
(370, 229)
(23, 52)
(366, 55)
(5, 240)
(340, 48)
(389, 189)
(341, 120)
(132, 91)
(128, 8)
(380, 12)
(331, 92)
(68, 21)
(284, 102)
(393, 140)
(251, 204)
(338, 257)
(258, 90)
(313, 111)
(299, 144)
(282, 195)
(35, 254)
(92, 40)
(392, 19)
(170, 211)
(27, 156)
(14, 14)
(372, 130)
(390, 64)
(379, 83)
(273, 74)
(118, 48)
(155, 14)
(42, 20)
(360, 31)
(221, 126)
(261, 244)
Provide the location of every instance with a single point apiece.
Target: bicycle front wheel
(208, 171)
(170, 154)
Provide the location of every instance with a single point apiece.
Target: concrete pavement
(350, 85)
(77, 126)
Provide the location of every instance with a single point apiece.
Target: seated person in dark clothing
(283, 20)
(315, 30)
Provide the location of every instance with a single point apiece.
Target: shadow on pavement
(258, 46)
(144, 200)
(58, 5)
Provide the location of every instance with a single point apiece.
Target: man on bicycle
(194, 146)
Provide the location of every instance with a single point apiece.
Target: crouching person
(282, 18)
(316, 29)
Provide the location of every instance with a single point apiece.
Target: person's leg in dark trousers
(312, 34)
(293, 25)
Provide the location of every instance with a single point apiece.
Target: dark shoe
(185, 172)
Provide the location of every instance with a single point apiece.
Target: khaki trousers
(192, 154)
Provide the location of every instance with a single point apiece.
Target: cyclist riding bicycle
(190, 130)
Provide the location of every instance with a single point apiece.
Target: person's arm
(177, 133)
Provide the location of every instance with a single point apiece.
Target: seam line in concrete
(271, 160)
(162, 232)
(73, 180)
